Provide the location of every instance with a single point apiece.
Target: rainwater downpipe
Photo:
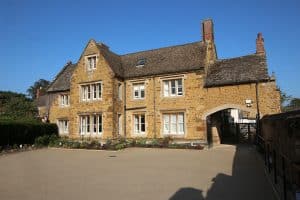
(154, 106)
(124, 109)
(257, 113)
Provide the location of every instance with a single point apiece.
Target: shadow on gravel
(244, 182)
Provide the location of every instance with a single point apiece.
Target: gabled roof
(245, 69)
(172, 59)
(62, 80)
(176, 59)
(113, 59)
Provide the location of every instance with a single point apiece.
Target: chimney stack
(38, 92)
(207, 30)
(260, 47)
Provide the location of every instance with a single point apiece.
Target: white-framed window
(120, 91)
(90, 124)
(173, 123)
(64, 100)
(173, 87)
(139, 123)
(91, 62)
(139, 91)
(63, 126)
(91, 92)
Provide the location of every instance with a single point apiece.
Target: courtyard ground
(224, 172)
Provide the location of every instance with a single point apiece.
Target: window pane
(179, 83)
(142, 93)
(100, 123)
(181, 128)
(180, 118)
(166, 88)
(88, 124)
(89, 92)
(173, 87)
(94, 62)
(99, 90)
(142, 121)
(94, 89)
(142, 127)
(173, 124)
(179, 86)
(166, 124)
(136, 123)
(83, 124)
(95, 124)
(136, 94)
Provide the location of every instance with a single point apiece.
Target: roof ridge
(190, 43)
(253, 54)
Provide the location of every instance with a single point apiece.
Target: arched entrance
(229, 124)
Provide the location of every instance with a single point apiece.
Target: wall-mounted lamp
(248, 102)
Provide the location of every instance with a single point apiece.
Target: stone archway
(217, 121)
(227, 106)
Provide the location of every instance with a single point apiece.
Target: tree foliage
(294, 104)
(41, 84)
(15, 106)
(284, 98)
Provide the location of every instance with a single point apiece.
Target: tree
(15, 106)
(294, 104)
(41, 84)
(284, 98)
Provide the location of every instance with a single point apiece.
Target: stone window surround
(91, 133)
(141, 134)
(61, 122)
(173, 111)
(139, 84)
(92, 93)
(62, 98)
(88, 69)
(172, 77)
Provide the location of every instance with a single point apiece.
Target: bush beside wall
(24, 132)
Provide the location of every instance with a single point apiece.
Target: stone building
(174, 91)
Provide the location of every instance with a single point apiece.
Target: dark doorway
(230, 126)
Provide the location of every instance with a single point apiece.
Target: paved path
(225, 173)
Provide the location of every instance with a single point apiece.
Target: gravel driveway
(224, 172)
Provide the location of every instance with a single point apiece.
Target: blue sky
(38, 37)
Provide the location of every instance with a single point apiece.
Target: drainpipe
(257, 112)
(124, 110)
(257, 100)
(154, 106)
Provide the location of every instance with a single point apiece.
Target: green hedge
(24, 132)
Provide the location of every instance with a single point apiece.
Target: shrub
(15, 132)
(42, 141)
(141, 142)
(75, 145)
(120, 146)
(166, 141)
(83, 145)
(130, 142)
(155, 143)
(53, 140)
